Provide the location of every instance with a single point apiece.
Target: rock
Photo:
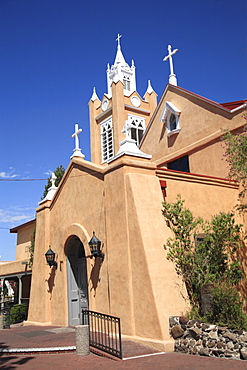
(243, 353)
(237, 331)
(211, 344)
(218, 352)
(173, 320)
(177, 331)
(183, 320)
(221, 345)
(221, 329)
(192, 342)
(195, 333)
(229, 335)
(203, 352)
(193, 322)
(229, 353)
(230, 345)
(194, 351)
(211, 327)
(243, 338)
(213, 334)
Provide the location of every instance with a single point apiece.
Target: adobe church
(142, 153)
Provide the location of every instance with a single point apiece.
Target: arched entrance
(76, 280)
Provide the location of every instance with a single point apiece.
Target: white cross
(77, 150)
(118, 39)
(169, 56)
(76, 134)
(127, 129)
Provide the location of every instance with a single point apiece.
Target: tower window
(137, 129)
(126, 83)
(106, 134)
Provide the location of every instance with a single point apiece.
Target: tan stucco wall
(201, 126)
(135, 280)
(14, 267)
(122, 203)
(24, 236)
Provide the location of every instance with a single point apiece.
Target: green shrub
(18, 313)
(227, 307)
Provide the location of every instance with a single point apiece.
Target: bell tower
(120, 106)
(121, 71)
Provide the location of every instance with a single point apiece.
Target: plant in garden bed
(210, 259)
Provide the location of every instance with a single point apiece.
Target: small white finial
(172, 77)
(52, 189)
(94, 96)
(77, 150)
(53, 179)
(118, 39)
(149, 89)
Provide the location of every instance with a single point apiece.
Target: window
(172, 122)
(170, 116)
(137, 128)
(106, 134)
(126, 82)
(180, 164)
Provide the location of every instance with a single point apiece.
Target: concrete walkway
(39, 347)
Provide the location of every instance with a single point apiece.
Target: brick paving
(40, 337)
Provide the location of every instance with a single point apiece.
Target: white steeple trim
(94, 96)
(149, 89)
(172, 77)
(51, 191)
(77, 150)
(128, 146)
(121, 71)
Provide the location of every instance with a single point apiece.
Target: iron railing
(104, 332)
(14, 316)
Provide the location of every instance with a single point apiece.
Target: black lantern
(94, 245)
(50, 258)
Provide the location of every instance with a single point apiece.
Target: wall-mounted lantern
(50, 258)
(95, 245)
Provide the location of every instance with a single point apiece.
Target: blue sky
(52, 54)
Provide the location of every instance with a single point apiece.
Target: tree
(59, 172)
(236, 156)
(205, 253)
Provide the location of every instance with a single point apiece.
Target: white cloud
(16, 215)
(49, 173)
(9, 175)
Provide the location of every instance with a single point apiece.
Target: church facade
(142, 153)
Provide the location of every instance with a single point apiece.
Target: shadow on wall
(51, 279)
(94, 276)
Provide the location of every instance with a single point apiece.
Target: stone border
(197, 338)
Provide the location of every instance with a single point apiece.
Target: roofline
(15, 229)
(208, 100)
(194, 95)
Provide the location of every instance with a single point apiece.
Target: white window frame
(126, 82)
(169, 110)
(139, 124)
(107, 143)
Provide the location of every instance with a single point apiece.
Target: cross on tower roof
(77, 150)
(172, 77)
(118, 39)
